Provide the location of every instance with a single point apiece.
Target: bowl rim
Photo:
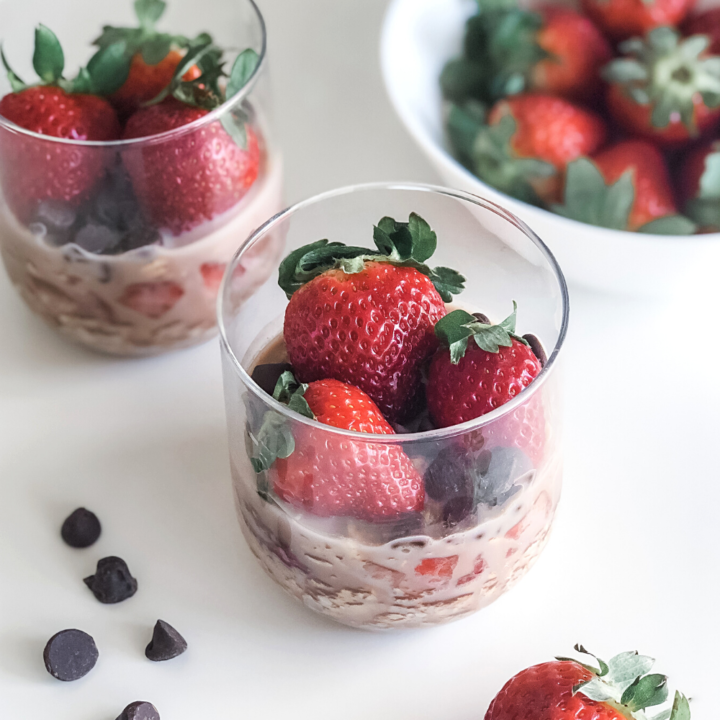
(405, 438)
(392, 25)
(214, 114)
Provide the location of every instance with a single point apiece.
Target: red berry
(152, 299)
(625, 18)
(442, 567)
(328, 475)
(212, 274)
(192, 176)
(34, 170)
(372, 329)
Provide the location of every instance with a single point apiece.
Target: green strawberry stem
(274, 438)
(626, 683)
(401, 244)
(106, 71)
(667, 72)
(456, 328)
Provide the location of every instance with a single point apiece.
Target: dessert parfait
(394, 451)
(125, 190)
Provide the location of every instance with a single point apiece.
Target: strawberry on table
(477, 368)
(366, 317)
(667, 89)
(700, 185)
(205, 171)
(149, 60)
(528, 142)
(565, 689)
(334, 476)
(624, 187)
(624, 18)
(34, 171)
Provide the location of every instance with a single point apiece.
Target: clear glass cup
(111, 258)
(454, 557)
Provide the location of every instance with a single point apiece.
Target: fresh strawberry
(206, 170)
(509, 50)
(469, 379)
(667, 89)
(699, 186)
(33, 170)
(152, 299)
(190, 178)
(366, 317)
(212, 275)
(625, 187)
(530, 140)
(335, 476)
(705, 23)
(566, 689)
(621, 19)
(149, 59)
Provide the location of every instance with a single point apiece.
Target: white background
(633, 563)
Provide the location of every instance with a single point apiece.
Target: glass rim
(398, 438)
(208, 119)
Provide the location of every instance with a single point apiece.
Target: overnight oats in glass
(394, 425)
(127, 185)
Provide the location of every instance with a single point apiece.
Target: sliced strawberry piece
(478, 569)
(442, 567)
(152, 299)
(212, 274)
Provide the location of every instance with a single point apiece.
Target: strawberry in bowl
(379, 478)
(126, 187)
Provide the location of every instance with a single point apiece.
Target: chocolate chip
(484, 319)
(139, 710)
(447, 476)
(112, 581)
(166, 643)
(70, 655)
(266, 375)
(81, 528)
(536, 347)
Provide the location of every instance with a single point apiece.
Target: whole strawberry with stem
(366, 317)
(699, 185)
(149, 58)
(621, 689)
(204, 171)
(624, 187)
(326, 475)
(478, 367)
(621, 19)
(528, 142)
(667, 89)
(33, 170)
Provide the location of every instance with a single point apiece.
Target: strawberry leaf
(235, 128)
(447, 282)
(148, 13)
(462, 126)
(156, 49)
(645, 692)
(462, 79)
(710, 179)
(590, 200)
(598, 690)
(48, 58)
(424, 240)
(109, 68)
(625, 668)
(242, 70)
(681, 708)
(453, 332)
(15, 82)
(670, 225)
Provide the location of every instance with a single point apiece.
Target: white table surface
(633, 563)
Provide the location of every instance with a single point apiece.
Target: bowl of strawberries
(595, 122)
(135, 157)
(394, 425)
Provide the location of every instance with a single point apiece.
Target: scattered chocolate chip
(139, 710)
(166, 643)
(484, 319)
(81, 528)
(536, 347)
(447, 477)
(457, 509)
(112, 581)
(70, 655)
(266, 375)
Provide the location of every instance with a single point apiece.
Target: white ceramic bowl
(418, 37)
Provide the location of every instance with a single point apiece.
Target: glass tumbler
(458, 553)
(122, 245)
